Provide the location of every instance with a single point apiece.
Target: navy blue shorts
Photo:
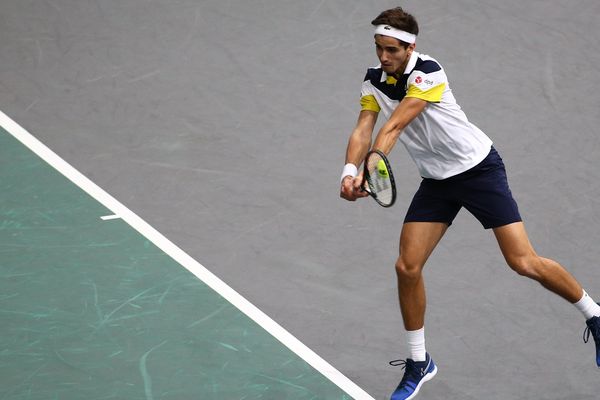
(483, 190)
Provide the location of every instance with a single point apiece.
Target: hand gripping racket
(378, 180)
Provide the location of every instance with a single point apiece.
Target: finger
(347, 195)
(360, 193)
(346, 192)
(357, 183)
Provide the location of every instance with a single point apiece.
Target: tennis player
(460, 168)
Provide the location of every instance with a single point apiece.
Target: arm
(358, 146)
(360, 139)
(405, 112)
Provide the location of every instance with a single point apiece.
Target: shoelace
(595, 334)
(399, 363)
(409, 366)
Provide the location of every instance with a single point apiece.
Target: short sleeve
(428, 83)
(368, 101)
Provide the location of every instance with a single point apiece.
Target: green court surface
(91, 309)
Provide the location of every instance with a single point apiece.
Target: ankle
(416, 344)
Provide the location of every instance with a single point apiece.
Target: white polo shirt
(441, 140)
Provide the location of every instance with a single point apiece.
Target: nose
(383, 57)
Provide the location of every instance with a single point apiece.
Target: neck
(400, 71)
(402, 68)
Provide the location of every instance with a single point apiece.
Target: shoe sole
(426, 378)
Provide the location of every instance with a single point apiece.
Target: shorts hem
(427, 220)
(500, 225)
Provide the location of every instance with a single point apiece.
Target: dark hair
(399, 19)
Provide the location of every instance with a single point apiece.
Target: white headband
(387, 30)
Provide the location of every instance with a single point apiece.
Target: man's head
(395, 35)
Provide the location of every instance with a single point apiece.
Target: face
(392, 56)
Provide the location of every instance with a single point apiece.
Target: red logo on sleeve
(418, 80)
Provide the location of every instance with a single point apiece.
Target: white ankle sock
(588, 306)
(416, 344)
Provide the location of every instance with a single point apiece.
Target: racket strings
(378, 179)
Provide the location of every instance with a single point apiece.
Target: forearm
(405, 112)
(358, 146)
(387, 137)
(359, 142)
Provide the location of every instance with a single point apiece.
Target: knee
(408, 271)
(525, 265)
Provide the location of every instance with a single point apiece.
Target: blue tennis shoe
(415, 375)
(593, 328)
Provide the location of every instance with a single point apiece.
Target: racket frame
(366, 175)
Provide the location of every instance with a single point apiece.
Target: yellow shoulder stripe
(433, 95)
(369, 103)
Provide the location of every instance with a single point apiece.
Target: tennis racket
(378, 180)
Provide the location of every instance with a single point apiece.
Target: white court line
(109, 217)
(184, 259)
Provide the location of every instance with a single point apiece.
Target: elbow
(361, 137)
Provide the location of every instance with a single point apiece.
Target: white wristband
(349, 170)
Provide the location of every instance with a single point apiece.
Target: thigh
(514, 242)
(418, 239)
